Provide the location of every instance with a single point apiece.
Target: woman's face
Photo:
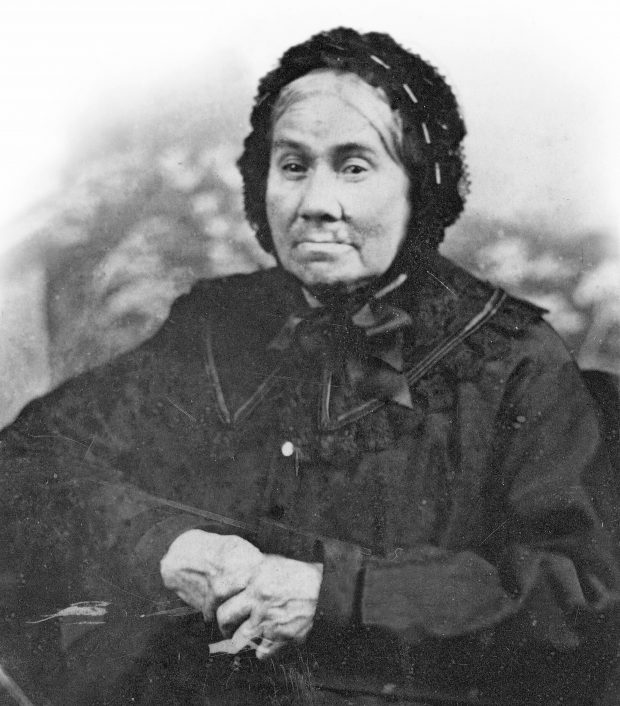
(337, 200)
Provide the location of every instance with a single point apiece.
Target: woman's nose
(320, 196)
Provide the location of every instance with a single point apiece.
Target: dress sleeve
(72, 525)
(546, 574)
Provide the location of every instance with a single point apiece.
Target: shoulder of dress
(448, 301)
(235, 302)
(518, 333)
(237, 289)
(516, 315)
(232, 301)
(470, 294)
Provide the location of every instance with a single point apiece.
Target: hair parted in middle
(433, 128)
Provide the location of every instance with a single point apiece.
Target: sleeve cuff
(341, 586)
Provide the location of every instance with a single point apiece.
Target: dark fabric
(366, 343)
(465, 540)
(605, 388)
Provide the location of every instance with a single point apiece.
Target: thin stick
(11, 687)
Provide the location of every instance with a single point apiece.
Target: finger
(207, 608)
(196, 591)
(248, 633)
(234, 611)
(270, 642)
(268, 648)
(231, 646)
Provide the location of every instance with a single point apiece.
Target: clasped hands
(253, 596)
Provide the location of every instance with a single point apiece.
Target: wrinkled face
(337, 200)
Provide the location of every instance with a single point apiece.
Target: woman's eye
(293, 167)
(355, 168)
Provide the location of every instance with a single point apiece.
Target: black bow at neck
(362, 342)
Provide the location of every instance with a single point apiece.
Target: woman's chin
(338, 282)
(325, 276)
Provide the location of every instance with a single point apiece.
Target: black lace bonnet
(432, 127)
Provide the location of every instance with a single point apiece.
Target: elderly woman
(372, 475)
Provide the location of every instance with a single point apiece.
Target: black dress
(463, 524)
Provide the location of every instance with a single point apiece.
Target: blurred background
(121, 124)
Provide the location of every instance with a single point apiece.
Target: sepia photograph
(310, 353)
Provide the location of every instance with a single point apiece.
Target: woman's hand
(205, 569)
(278, 605)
